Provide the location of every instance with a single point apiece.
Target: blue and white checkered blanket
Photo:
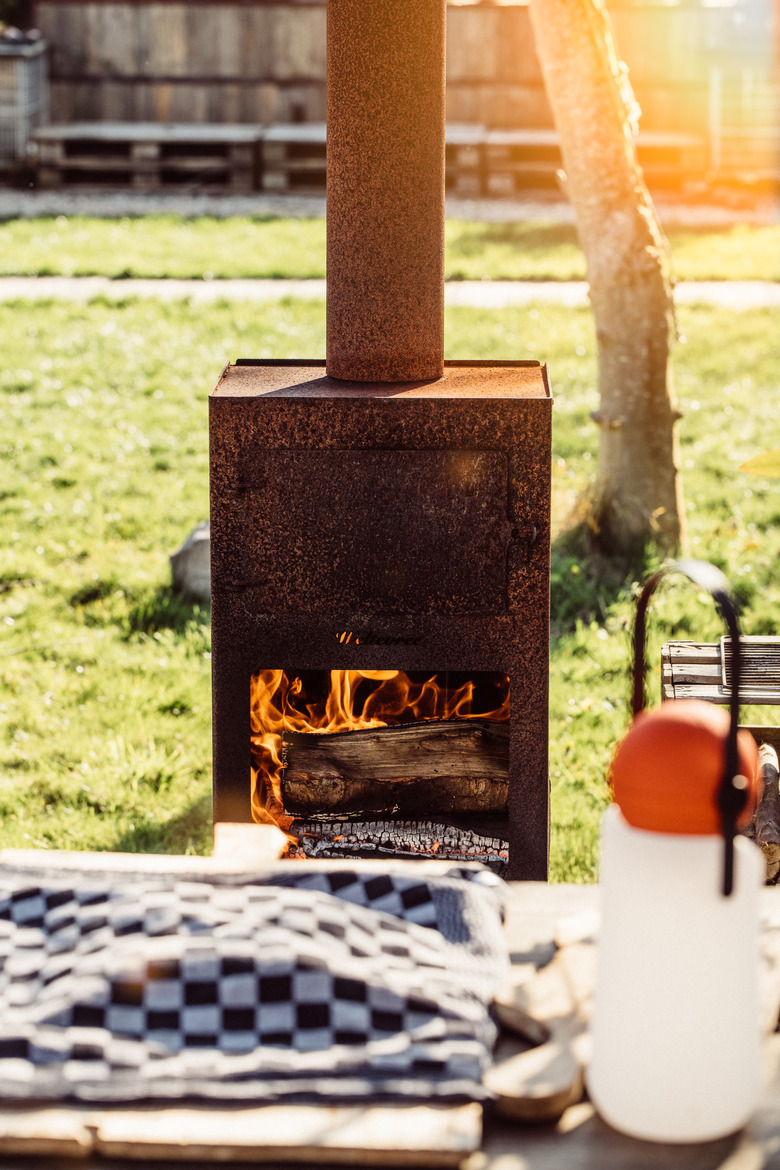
(309, 984)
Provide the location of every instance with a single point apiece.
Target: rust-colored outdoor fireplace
(380, 523)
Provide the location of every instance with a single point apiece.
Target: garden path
(497, 294)
(549, 206)
(481, 294)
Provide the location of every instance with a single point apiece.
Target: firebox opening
(351, 763)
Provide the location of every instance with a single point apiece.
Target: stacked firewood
(359, 793)
(765, 826)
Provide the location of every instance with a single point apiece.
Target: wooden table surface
(580, 1140)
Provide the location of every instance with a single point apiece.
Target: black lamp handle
(731, 796)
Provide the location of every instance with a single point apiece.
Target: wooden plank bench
(294, 158)
(518, 159)
(701, 670)
(147, 155)
(670, 158)
(465, 159)
(291, 157)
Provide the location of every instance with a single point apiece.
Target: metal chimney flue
(385, 159)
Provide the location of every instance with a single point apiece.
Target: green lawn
(105, 675)
(244, 247)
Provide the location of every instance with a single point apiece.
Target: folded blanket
(306, 983)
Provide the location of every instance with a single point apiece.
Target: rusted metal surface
(361, 529)
(385, 175)
(308, 379)
(286, 587)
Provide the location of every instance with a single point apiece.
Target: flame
(278, 703)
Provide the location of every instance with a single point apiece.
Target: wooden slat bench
(294, 157)
(291, 157)
(147, 155)
(701, 670)
(465, 159)
(518, 159)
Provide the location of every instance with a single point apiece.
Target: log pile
(359, 793)
(765, 828)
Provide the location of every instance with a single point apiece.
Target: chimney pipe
(385, 220)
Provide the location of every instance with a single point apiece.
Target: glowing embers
(333, 747)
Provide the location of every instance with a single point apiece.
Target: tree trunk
(637, 498)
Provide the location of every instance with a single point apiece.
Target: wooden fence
(185, 62)
(262, 61)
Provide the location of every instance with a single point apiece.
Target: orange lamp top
(668, 769)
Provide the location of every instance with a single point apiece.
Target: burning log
(329, 838)
(458, 765)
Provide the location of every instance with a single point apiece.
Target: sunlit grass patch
(105, 673)
(271, 247)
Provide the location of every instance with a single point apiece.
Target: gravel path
(549, 206)
(482, 294)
